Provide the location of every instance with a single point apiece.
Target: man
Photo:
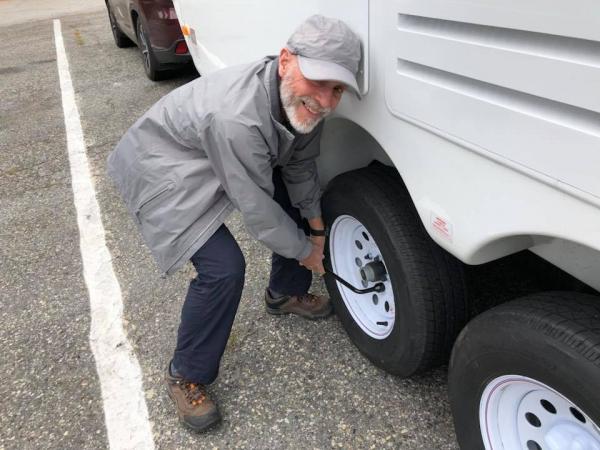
(245, 137)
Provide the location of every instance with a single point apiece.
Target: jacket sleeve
(240, 159)
(302, 179)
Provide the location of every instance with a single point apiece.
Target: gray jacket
(208, 147)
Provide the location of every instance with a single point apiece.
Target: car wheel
(373, 224)
(526, 375)
(121, 40)
(151, 66)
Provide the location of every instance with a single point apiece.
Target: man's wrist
(318, 232)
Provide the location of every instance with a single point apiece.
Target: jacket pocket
(152, 200)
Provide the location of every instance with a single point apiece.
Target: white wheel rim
(351, 244)
(518, 412)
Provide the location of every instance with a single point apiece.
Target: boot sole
(279, 312)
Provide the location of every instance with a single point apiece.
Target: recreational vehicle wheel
(525, 375)
(412, 324)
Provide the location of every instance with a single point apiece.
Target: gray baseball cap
(327, 49)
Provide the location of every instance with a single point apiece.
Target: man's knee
(235, 267)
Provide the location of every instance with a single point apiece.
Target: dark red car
(153, 26)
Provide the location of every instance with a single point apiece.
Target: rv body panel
(489, 110)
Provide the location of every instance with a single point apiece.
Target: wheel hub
(567, 435)
(519, 412)
(356, 258)
(373, 272)
(144, 47)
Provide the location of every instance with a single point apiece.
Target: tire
(411, 326)
(533, 362)
(151, 65)
(121, 40)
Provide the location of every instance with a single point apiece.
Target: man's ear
(285, 57)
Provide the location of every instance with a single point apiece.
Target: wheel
(121, 40)
(526, 375)
(151, 66)
(373, 224)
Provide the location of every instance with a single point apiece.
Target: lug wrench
(379, 287)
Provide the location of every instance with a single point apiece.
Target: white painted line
(120, 375)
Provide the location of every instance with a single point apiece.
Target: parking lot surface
(284, 382)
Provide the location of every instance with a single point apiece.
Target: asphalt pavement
(284, 382)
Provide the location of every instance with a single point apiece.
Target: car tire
(411, 326)
(526, 375)
(121, 40)
(151, 65)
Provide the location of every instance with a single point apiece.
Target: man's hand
(314, 261)
(319, 241)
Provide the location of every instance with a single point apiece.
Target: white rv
(478, 136)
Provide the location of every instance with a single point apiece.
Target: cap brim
(316, 69)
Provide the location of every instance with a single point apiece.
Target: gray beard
(291, 103)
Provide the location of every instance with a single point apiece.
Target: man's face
(304, 101)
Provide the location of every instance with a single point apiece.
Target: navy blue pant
(214, 295)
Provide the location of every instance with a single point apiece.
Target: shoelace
(194, 393)
(308, 298)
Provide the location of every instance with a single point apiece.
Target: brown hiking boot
(309, 306)
(194, 407)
